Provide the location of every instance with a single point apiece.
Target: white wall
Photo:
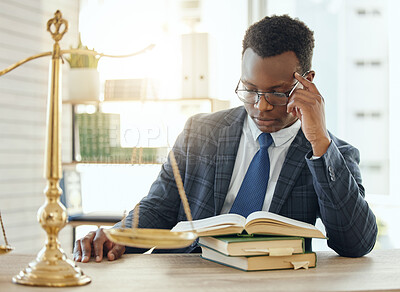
(394, 93)
(23, 94)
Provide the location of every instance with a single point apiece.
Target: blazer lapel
(228, 144)
(293, 165)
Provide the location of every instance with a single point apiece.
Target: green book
(259, 263)
(248, 245)
(99, 141)
(98, 133)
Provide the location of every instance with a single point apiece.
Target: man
(310, 172)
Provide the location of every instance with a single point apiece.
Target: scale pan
(148, 238)
(5, 249)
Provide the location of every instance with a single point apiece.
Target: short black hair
(275, 35)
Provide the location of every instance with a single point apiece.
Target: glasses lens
(277, 98)
(247, 96)
(252, 97)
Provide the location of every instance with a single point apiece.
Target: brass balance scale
(51, 266)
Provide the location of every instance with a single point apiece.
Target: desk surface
(380, 270)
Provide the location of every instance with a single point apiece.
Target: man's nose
(263, 104)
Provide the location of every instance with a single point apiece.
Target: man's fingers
(307, 84)
(98, 243)
(116, 252)
(77, 251)
(306, 96)
(301, 79)
(303, 99)
(86, 246)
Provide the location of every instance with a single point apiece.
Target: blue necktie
(251, 194)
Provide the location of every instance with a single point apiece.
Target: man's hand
(96, 243)
(308, 105)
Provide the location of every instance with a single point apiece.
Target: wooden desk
(379, 270)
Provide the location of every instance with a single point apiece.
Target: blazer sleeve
(350, 224)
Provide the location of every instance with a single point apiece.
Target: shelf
(74, 163)
(77, 102)
(216, 104)
(142, 100)
(165, 100)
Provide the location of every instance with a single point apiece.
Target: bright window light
(122, 27)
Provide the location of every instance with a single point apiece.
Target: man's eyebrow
(272, 88)
(248, 83)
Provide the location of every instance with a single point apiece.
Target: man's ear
(310, 76)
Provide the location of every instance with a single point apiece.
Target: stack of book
(254, 253)
(272, 241)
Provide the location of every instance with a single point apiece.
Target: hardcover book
(259, 222)
(259, 263)
(254, 245)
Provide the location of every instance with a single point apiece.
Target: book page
(214, 222)
(279, 218)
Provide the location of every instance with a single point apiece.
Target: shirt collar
(280, 137)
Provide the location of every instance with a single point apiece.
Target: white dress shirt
(248, 147)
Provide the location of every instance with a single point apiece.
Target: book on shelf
(98, 134)
(262, 262)
(259, 222)
(249, 245)
(98, 140)
(131, 89)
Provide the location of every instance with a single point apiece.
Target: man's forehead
(272, 71)
(282, 63)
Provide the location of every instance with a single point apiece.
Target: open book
(259, 222)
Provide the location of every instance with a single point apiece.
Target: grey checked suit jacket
(329, 187)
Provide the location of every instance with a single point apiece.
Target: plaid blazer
(329, 188)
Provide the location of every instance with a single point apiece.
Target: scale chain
(4, 231)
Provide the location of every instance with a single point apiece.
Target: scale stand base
(57, 272)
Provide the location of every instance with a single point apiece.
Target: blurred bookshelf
(102, 134)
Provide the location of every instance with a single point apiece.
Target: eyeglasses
(273, 98)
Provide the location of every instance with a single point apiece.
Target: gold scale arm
(19, 63)
(51, 266)
(73, 51)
